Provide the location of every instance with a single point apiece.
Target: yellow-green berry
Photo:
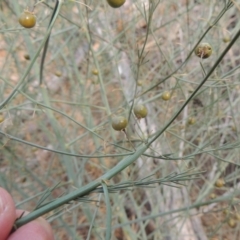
(119, 123)
(166, 96)
(140, 111)
(116, 3)
(203, 50)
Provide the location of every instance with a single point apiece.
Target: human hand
(38, 229)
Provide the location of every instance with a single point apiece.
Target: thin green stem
(187, 208)
(157, 134)
(83, 190)
(21, 81)
(8, 136)
(109, 211)
(193, 49)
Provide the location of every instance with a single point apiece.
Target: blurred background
(57, 136)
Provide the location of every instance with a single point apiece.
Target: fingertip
(38, 229)
(7, 213)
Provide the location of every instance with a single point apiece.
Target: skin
(38, 229)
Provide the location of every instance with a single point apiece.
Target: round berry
(166, 96)
(95, 71)
(191, 120)
(116, 3)
(220, 183)
(1, 118)
(27, 19)
(58, 73)
(203, 50)
(237, 216)
(226, 211)
(140, 111)
(226, 39)
(26, 56)
(119, 123)
(232, 223)
(213, 195)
